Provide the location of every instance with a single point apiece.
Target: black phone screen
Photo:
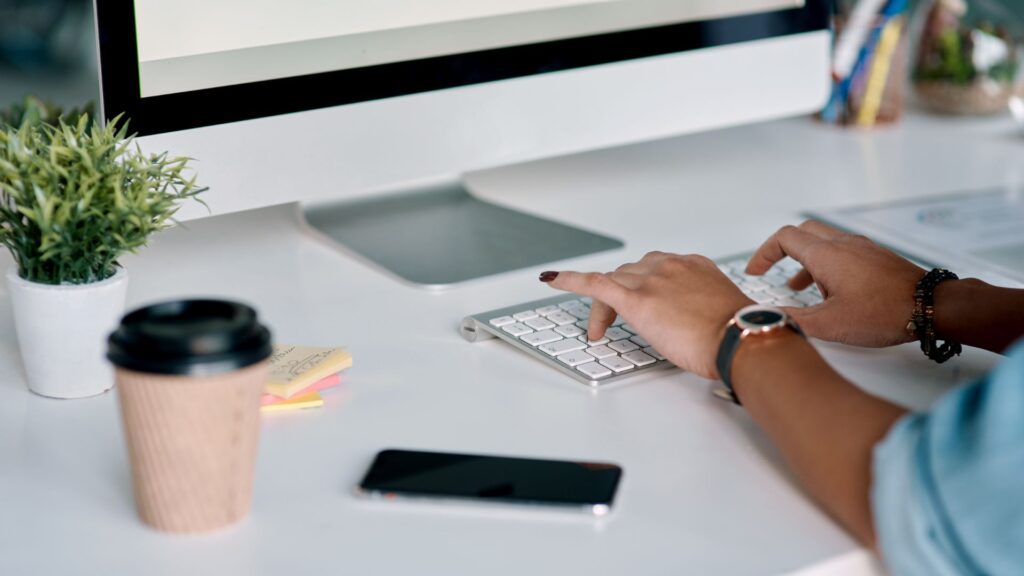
(493, 478)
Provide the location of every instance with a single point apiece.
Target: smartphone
(584, 486)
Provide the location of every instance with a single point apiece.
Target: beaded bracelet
(922, 323)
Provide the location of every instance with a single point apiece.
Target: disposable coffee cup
(189, 378)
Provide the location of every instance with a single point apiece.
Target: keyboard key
(753, 284)
(501, 321)
(583, 324)
(562, 346)
(542, 337)
(639, 358)
(617, 364)
(623, 346)
(737, 266)
(539, 323)
(575, 358)
(524, 315)
(594, 370)
(570, 304)
(615, 333)
(628, 328)
(618, 321)
(791, 302)
(774, 280)
(570, 331)
(808, 298)
(640, 341)
(587, 300)
(601, 352)
(561, 318)
(517, 329)
(594, 342)
(761, 298)
(579, 312)
(788, 265)
(652, 352)
(547, 310)
(780, 292)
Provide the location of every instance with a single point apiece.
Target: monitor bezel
(121, 91)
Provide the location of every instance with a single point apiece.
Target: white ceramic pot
(62, 332)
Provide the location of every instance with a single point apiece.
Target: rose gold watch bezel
(747, 329)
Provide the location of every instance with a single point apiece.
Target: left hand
(680, 304)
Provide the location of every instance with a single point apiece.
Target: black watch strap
(726, 351)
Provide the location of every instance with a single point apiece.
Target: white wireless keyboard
(554, 330)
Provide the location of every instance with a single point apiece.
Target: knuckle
(704, 260)
(670, 264)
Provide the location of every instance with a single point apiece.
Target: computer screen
(191, 45)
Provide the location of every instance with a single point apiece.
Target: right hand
(868, 290)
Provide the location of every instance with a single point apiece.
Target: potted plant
(968, 57)
(74, 198)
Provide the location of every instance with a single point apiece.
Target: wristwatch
(750, 322)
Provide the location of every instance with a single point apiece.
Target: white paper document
(978, 234)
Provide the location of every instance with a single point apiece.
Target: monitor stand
(443, 235)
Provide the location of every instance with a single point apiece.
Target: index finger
(596, 285)
(788, 241)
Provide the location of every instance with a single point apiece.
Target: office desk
(703, 491)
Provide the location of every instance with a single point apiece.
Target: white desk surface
(703, 491)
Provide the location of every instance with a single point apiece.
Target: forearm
(825, 426)
(978, 314)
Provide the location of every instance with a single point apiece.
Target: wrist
(954, 300)
(759, 360)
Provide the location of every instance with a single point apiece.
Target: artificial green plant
(76, 196)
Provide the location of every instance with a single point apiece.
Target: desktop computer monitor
(368, 113)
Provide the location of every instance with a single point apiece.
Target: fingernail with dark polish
(548, 276)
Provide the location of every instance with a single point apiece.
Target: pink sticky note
(322, 384)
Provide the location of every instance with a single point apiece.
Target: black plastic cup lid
(189, 337)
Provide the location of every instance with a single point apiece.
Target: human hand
(680, 304)
(868, 290)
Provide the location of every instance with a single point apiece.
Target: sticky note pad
(294, 368)
(311, 400)
(318, 386)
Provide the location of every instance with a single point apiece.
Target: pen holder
(869, 63)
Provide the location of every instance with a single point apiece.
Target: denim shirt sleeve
(948, 485)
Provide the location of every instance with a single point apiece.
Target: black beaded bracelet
(922, 323)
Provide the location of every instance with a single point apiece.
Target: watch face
(760, 318)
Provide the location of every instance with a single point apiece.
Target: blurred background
(48, 49)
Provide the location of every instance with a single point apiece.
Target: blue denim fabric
(948, 488)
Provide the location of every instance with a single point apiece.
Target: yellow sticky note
(311, 400)
(293, 368)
